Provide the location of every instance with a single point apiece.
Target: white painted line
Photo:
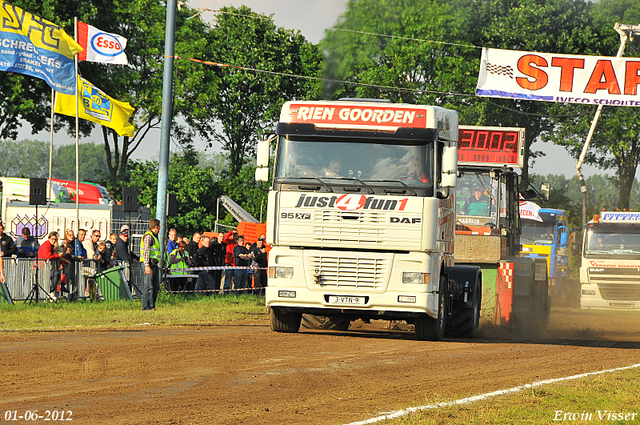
(404, 412)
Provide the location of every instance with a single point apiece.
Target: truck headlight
(416, 277)
(280, 272)
(588, 292)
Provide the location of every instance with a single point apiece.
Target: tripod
(34, 294)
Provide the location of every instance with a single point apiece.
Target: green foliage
(245, 103)
(30, 158)
(196, 188)
(437, 63)
(242, 189)
(93, 162)
(602, 192)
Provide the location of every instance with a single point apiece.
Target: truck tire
(428, 328)
(465, 320)
(331, 323)
(285, 322)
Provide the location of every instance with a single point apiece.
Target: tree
(93, 162)
(24, 158)
(243, 190)
(246, 104)
(30, 158)
(196, 188)
(430, 51)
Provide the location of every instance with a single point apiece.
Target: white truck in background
(610, 268)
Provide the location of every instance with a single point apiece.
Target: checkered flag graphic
(500, 69)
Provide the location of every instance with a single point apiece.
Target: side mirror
(450, 166)
(262, 174)
(563, 239)
(545, 190)
(262, 155)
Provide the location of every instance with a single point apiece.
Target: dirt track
(246, 374)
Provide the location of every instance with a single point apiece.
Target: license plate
(346, 300)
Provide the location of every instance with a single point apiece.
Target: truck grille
(612, 275)
(338, 216)
(349, 272)
(620, 292)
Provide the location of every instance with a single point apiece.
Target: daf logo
(406, 220)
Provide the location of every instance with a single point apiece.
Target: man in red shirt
(47, 251)
(231, 240)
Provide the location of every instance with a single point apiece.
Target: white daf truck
(610, 269)
(361, 216)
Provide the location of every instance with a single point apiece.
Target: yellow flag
(96, 106)
(34, 46)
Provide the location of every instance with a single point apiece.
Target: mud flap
(530, 301)
(504, 293)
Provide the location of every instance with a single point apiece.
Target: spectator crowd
(244, 263)
(240, 266)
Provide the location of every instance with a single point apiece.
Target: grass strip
(171, 310)
(611, 398)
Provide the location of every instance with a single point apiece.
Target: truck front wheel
(428, 328)
(285, 322)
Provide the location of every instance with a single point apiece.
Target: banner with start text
(36, 47)
(555, 77)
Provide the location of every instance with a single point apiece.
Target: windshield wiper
(371, 191)
(306, 178)
(413, 192)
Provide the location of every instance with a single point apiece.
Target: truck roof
(619, 217)
(371, 115)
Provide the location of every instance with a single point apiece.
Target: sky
(311, 17)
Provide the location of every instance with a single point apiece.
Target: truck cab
(610, 268)
(361, 216)
(546, 235)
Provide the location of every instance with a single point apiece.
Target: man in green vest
(178, 260)
(150, 248)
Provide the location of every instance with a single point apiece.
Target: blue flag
(34, 46)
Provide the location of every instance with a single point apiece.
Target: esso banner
(551, 77)
(356, 116)
(100, 46)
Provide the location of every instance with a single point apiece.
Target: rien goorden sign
(356, 116)
(595, 80)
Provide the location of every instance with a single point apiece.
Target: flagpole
(53, 104)
(75, 30)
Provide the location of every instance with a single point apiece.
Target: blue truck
(546, 235)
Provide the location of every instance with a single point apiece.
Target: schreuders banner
(551, 77)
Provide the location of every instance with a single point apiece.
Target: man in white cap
(123, 254)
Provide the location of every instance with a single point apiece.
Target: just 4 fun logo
(350, 202)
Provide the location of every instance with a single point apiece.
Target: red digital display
(490, 145)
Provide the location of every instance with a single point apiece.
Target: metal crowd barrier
(21, 275)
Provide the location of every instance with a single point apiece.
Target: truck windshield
(476, 199)
(536, 232)
(370, 162)
(612, 241)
